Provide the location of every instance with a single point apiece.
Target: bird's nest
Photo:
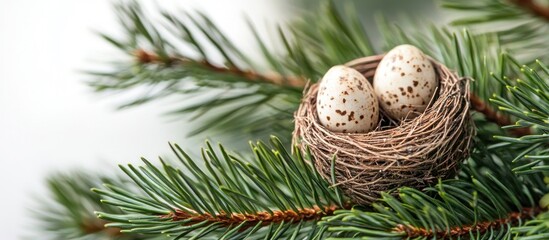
(413, 153)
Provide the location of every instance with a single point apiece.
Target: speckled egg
(405, 82)
(346, 101)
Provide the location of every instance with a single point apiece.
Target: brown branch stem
(481, 227)
(143, 56)
(496, 117)
(534, 8)
(266, 218)
(300, 82)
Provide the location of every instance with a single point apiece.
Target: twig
(481, 227)
(272, 78)
(266, 218)
(496, 117)
(300, 82)
(534, 8)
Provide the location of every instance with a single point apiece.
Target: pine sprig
(227, 90)
(275, 194)
(531, 93)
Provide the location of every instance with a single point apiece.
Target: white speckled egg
(346, 101)
(405, 82)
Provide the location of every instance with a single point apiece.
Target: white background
(51, 121)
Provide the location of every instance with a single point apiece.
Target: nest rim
(415, 153)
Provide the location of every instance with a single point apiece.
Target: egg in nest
(346, 101)
(405, 82)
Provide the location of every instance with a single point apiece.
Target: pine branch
(226, 196)
(512, 219)
(246, 104)
(275, 79)
(234, 95)
(264, 218)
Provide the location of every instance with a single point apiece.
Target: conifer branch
(264, 218)
(229, 195)
(276, 79)
(529, 103)
(461, 231)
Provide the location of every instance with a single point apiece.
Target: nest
(413, 153)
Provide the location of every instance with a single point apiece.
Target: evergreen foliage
(273, 195)
(532, 109)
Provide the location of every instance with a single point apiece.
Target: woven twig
(414, 153)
